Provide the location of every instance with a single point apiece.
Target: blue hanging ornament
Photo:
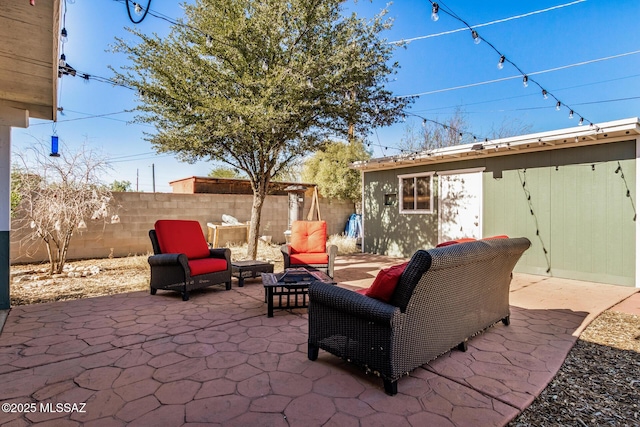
(54, 146)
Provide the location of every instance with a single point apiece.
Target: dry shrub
(346, 245)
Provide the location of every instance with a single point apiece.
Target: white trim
(637, 248)
(5, 178)
(401, 209)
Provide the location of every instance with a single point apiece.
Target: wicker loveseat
(444, 296)
(182, 259)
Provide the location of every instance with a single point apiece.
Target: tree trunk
(259, 194)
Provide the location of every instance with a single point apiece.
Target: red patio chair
(182, 260)
(308, 247)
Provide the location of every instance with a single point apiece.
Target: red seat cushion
(455, 242)
(385, 282)
(181, 237)
(311, 258)
(207, 265)
(308, 237)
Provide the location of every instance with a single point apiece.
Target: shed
(200, 184)
(572, 192)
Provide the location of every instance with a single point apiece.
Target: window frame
(415, 176)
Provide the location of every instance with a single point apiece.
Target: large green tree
(329, 168)
(257, 84)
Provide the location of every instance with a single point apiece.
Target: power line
(486, 24)
(563, 67)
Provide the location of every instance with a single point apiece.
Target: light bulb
(544, 94)
(581, 121)
(209, 41)
(476, 37)
(434, 12)
(137, 9)
(63, 35)
(571, 114)
(525, 81)
(501, 63)
(63, 60)
(558, 104)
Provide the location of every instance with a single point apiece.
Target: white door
(459, 205)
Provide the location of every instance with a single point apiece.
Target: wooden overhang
(29, 55)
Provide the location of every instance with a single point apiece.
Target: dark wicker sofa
(444, 296)
(183, 261)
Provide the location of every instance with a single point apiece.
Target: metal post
(5, 214)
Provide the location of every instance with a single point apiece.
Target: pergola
(29, 55)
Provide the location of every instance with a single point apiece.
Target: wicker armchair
(182, 260)
(308, 247)
(444, 296)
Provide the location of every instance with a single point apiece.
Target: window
(416, 193)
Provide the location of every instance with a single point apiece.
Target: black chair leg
(506, 321)
(312, 351)
(153, 291)
(185, 296)
(462, 346)
(391, 387)
(228, 285)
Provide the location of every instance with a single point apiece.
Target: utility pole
(137, 179)
(153, 176)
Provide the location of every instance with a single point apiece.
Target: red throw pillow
(502, 236)
(385, 283)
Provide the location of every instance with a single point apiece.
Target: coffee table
(290, 288)
(249, 268)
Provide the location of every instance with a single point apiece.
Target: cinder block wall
(139, 211)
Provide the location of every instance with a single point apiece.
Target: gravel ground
(599, 382)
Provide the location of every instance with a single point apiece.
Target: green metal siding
(582, 216)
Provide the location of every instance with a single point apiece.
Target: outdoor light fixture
(63, 35)
(434, 12)
(571, 114)
(63, 60)
(581, 121)
(525, 81)
(476, 37)
(544, 94)
(54, 146)
(501, 62)
(558, 104)
(209, 41)
(137, 9)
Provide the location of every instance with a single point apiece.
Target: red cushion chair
(182, 260)
(308, 247)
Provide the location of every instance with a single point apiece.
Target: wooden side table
(214, 231)
(249, 268)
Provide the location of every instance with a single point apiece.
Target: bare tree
(58, 195)
(434, 135)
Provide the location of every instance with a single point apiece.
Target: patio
(217, 359)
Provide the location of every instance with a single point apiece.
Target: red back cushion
(454, 242)
(308, 237)
(502, 236)
(181, 237)
(385, 282)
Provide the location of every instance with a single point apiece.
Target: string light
(571, 114)
(63, 35)
(434, 12)
(581, 122)
(63, 60)
(503, 59)
(138, 10)
(476, 37)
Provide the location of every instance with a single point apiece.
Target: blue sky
(601, 35)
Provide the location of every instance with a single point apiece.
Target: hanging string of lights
(137, 10)
(436, 8)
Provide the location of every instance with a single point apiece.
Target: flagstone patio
(217, 359)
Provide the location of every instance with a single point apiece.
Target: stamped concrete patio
(142, 360)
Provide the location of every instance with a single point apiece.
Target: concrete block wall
(139, 211)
